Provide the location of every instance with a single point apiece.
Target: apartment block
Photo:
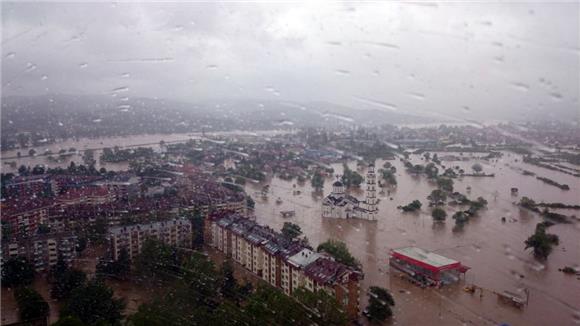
(175, 232)
(283, 263)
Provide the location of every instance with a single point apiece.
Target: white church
(339, 204)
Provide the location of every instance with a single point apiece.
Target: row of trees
(83, 302)
(201, 294)
(351, 178)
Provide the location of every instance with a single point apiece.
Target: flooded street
(494, 250)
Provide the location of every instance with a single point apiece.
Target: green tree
(380, 303)
(339, 251)
(445, 184)
(228, 282)
(415, 205)
(17, 271)
(437, 196)
(460, 218)
(291, 230)
(477, 168)
(527, 203)
(328, 310)
(388, 173)
(65, 279)
(351, 178)
(431, 170)
(158, 259)
(542, 242)
(66, 282)
(317, 181)
(439, 214)
(119, 268)
(450, 173)
(94, 304)
(69, 321)
(31, 305)
(269, 306)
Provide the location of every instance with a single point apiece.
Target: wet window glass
(261, 163)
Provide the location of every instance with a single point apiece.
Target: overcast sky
(468, 60)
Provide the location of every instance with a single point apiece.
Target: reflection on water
(494, 249)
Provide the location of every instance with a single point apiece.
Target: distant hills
(67, 116)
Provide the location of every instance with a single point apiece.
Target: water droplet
(11, 55)
(121, 89)
(521, 86)
(556, 96)
(126, 75)
(384, 105)
(417, 96)
(44, 77)
(30, 67)
(342, 72)
(211, 66)
(333, 43)
(83, 65)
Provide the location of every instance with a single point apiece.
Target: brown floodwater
(494, 250)
(96, 144)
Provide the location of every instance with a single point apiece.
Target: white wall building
(339, 204)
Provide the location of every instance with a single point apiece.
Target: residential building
(42, 250)
(283, 263)
(175, 232)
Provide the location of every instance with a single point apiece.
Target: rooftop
(304, 257)
(425, 256)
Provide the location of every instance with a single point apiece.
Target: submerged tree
(317, 181)
(415, 205)
(542, 242)
(65, 280)
(94, 304)
(380, 303)
(439, 214)
(477, 168)
(445, 184)
(437, 196)
(291, 230)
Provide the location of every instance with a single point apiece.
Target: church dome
(337, 184)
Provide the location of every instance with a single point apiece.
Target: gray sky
(467, 60)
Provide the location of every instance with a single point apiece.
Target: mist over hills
(66, 116)
(61, 116)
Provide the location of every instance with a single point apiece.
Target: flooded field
(493, 249)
